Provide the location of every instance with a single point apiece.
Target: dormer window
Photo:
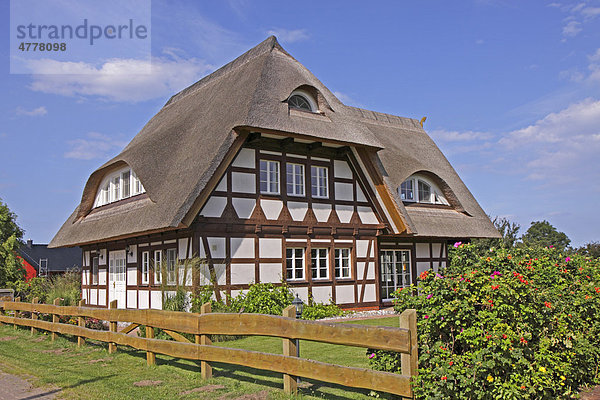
(300, 100)
(418, 189)
(117, 186)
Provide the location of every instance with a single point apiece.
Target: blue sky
(511, 91)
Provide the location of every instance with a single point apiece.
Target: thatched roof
(179, 149)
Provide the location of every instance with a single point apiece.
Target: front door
(116, 277)
(395, 271)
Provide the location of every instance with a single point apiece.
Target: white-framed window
(342, 263)
(157, 266)
(301, 100)
(145, 267)
(319, 263)
(418, 189)
(319, 181)
(43, 266)
(269, 176)
(171, 265)
(118, 186)
(395, 271)
(95, 262)
(295, 263)
(295, 179)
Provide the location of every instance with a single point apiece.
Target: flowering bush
(509, 324)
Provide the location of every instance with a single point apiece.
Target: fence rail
(402, 340)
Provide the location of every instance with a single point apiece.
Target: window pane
(424, 192)
(125, 184)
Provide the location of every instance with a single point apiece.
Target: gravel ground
(14, 387)
(386, 312)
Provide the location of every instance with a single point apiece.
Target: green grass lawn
(91, 372)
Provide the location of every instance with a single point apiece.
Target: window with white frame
(395, 271)
(342, 263)
(319, 183)
(145, 267)
(95, 262)
(319, 264)
(157, 266)
(118, 186)
(43, 267)
(418, 189)
(301, 100)
(269, 177)
(295, 263)
(171, 265)
(295, 179)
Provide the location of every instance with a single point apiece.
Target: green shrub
(27, 291)
(320, 310)
(66, 287)
(263, 298)
(176, 302)
(509, 324)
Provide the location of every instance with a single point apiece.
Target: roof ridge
(385, 118)
(266, 46)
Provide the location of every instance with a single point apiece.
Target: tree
(11, 266)
(509, 231)
(543, 234)
(591, 249)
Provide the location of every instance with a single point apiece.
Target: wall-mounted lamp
(129, 251)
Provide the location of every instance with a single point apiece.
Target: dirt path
(15, 387)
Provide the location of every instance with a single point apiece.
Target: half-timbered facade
(259, 170)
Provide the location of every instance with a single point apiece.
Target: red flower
(597, 290)
(444, 377)
(451, 362)
(547, 304)
(504, 336)
(494, 287)
(523, 340)
(423, 275)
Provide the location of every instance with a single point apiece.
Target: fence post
(112, 326)
(81, 323)
(410, 362)
(55, 319)
(34, 315)
(205, 367)
(150, 356)
(17, 300)
(290, 386)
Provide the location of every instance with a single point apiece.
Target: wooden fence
(402, 340)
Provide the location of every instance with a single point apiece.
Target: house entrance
(116, 277)
(395, 271)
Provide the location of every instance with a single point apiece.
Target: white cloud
(94, 145)
(36, 112)
(454, 136)
(289, 36)
(128, 80)
(571, 29)
(479, 41)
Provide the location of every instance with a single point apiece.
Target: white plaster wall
(170, 241)
(102, 259)
(243, 182)
(270, 272)
(242, 247)
(132, 255)
(216, 246)
(132, 299)
(302, 292)
(102, 276)
(182, 275)
(102, 297)
(371, 271)
(214, 207)
(269, 248)
(421, 267)
(222, 186)
(361, 248)
(360, 196)
(182, 248)
(321, 211)
(220, 270)
(341, 169)
(344, 191)
(245, 159)
(370, 294)
(144, 297)
(242, 274)
(322, 294)
(243, 207)
(271, 208)
(236, 293)
(344, 213)
(85, 277)
(297, 210)
(156, 299)
(84, 296)
(344, 294)
(93, 297)
(132, 276)
(86, 259)
(366, 215)
(422, 250)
